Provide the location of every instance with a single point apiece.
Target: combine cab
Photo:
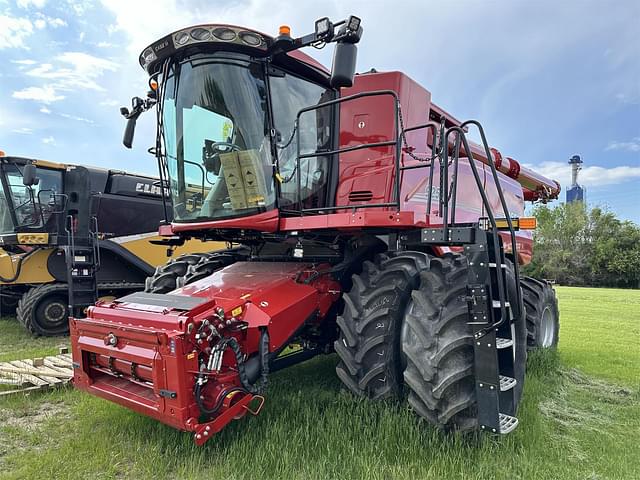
(370, 227)
(98, 223)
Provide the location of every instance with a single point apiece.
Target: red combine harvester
(360, 221)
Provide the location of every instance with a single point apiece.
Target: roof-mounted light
(353, 23)
(200, 34)
(224, 34)
(250, 38)
(284, 30)
(324, 27)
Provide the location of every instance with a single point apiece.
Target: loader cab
(29, 206)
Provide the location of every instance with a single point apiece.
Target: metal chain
(406, 144)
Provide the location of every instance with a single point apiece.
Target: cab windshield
(216, 138)
(23, 208)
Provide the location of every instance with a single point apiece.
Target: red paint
(152, 366)
(163, 347)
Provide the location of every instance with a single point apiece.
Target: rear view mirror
(29, 177)
(129, 130)
(344, 64)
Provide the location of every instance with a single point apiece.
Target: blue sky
(548, 79)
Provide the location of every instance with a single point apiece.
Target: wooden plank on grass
(45, 370)
(59, 361)
(11, 381)
(52, 365)
(21, 390)
(26, 375)
(41, 372)
(9, 368)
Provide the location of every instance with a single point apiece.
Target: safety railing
(331, 153)
(440, 151)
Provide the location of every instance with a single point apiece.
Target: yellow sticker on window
(236, 311)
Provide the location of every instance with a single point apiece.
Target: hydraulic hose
(247, 386)
(263, 352)
(210, 411)
(19, 266)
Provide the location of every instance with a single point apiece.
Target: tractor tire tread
(368, 344)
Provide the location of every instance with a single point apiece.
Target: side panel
(367, 176)
(34, 268)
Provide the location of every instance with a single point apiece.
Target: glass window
(215, 132)
(290, 94)
(33, 206)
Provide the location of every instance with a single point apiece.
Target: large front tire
(438, 346)
(369, 338)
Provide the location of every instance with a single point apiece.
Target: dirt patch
(33, 418)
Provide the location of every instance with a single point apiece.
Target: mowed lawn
(580, 419)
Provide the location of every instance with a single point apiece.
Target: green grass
(16, 343)
(580, 419)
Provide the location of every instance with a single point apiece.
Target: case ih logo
(150, 189)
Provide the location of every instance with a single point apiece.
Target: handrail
(505, 208)
(389, 143)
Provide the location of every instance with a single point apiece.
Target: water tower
(575, 193)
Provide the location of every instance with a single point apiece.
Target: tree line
(576, 245)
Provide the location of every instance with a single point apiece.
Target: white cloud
(49, 140)
(44, 109)
(24, 62)
(23, 131)
(632, 146)
(74, 117)
(14, 31)
(43, 20)
(56, 22)
(82, 71)
(109, 103)
(80, 7)
(46, 94)
(590, 176)
(29, 3)
(73, 71)
(104, 45)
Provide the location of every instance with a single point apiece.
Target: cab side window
(289, 95)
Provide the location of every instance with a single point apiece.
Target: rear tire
(369, 328)
(543, 317)
(44, 310)
(437, 344)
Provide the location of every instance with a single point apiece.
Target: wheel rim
(54, 313)
(547, 328)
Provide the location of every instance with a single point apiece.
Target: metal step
(507, 383)
(503, 343)
(496, 304)
(507, 423)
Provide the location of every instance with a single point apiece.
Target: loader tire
(172, 275)
(44, 310)
(368, 344)
(437, 344)
(543, 317)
